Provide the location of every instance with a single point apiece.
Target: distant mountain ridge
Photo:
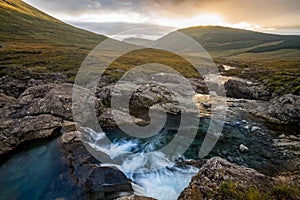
(224, 41)
(216, 38)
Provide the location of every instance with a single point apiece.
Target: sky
(110, 16)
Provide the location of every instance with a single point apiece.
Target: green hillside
(223, 41)
(39, 42)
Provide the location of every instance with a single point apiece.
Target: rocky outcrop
(98, 182)
(242, 89)
(217, 171)
(37, 112)
(15, 87)
(283, 110)
(220, 179)
(17, 131)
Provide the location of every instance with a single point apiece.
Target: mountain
(36, 41)
(138, 41)
(224, 41)
(20, 21)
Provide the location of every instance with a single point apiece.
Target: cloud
(271, 13)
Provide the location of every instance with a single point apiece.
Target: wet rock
(255, 128)
(242, 89)
(17, 131)
(135, 197)
(37, 112)
(243, 148)
(97, 181)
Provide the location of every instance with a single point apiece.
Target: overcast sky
(282, 16)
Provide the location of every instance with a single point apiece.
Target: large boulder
(216, 172)
(285, 108)
(98, 182)
(281, 110)
(38, 111)
(242, 89)
(17, 131)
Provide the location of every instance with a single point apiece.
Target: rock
(15, 87)
(243, 148)
(85, 172)
(134, 197)
(240, 89)
(142, 98)
(6, 100)
(17, 131)
(281, 110)
(52, 99)
(217, 171)
(199, 86)
(285, 108)
(254, 128)
(39, 111)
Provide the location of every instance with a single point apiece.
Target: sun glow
(203, 19)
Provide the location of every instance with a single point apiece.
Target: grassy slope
(32, 39)
(229, 41)
(271, 59)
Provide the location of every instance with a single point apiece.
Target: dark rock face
(15, 87)
(215, 172)
(285, 108)
(282, 110)
(36, 113)
(240, 89)
(98, 182)
(16, 131)
(51, 99)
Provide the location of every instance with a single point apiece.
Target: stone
(280, 110)
(217, 171)
(243, 148)
(242, 89)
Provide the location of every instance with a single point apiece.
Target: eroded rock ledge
(220, 179)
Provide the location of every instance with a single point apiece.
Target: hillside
(230, 41)
(271, 59)
(39, 42)
(138, 41)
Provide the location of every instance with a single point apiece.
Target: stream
(38, 173)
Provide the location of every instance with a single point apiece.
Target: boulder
(39, 111)
(285, 108)
(17, 131)
(242, 89)
(217, 171)
(243, 148)
(97, 181)
(281, 110)
(15, 87)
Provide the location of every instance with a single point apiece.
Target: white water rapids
(153, 174)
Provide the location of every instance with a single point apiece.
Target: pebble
(243, 148)
(254, 128)
(224, 152)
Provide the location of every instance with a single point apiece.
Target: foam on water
(152, 172)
